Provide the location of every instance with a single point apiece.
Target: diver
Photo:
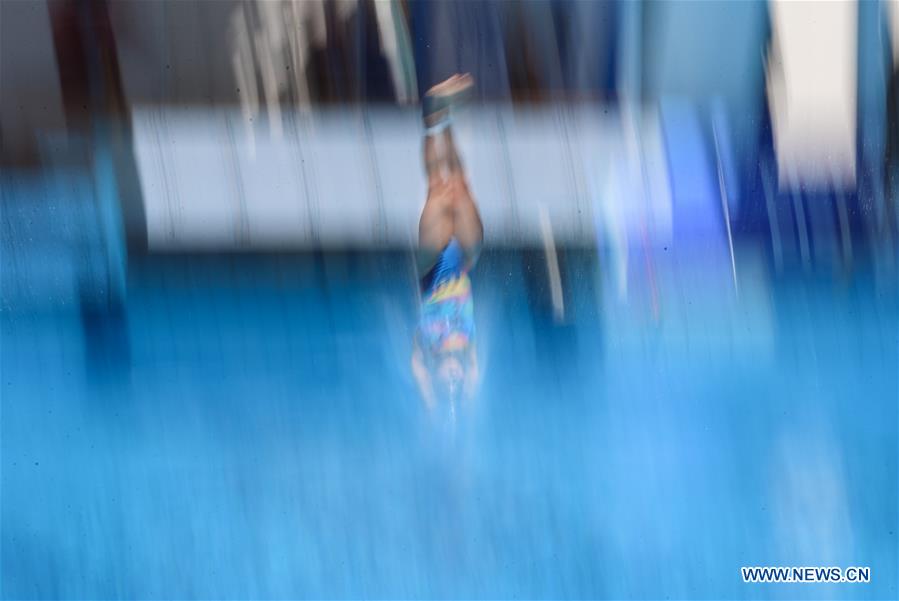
(450, 233)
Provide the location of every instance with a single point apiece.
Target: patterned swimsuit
(447, 311)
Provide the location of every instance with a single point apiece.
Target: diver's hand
(472, 379)
(423, 379)
(472, 374)
(429, 400)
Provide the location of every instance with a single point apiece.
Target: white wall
(812, 90)
(346, 178)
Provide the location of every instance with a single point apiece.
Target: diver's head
(449, 376)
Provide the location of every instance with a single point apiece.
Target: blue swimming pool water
(247, 427)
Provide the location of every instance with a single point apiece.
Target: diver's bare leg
(436, 225)
(448, 197)
(451, 154)
(468, 229)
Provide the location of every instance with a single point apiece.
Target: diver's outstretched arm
(422, 377)
(472, 372)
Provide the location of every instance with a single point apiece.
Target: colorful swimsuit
(447, 310)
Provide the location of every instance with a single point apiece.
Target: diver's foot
(441, 98)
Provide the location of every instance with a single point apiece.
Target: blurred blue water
(246, 427)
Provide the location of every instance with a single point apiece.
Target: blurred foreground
(247, 427)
